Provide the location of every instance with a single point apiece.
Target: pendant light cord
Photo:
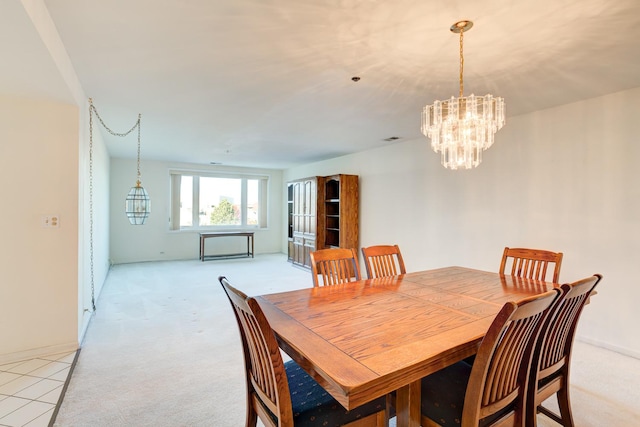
(93, 299)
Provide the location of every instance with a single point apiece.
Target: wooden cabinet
(322, 213)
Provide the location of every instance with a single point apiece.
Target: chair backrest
(497, 387)
(531, 263)
(267, 386)
(334, 266)
(553, 352)
(383, 261)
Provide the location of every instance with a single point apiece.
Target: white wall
(153, 241)
(38, 266)
(45, 280)
(564, 179)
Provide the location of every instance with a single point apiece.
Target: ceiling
(268, 83)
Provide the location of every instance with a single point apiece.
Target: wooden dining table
(365, 339)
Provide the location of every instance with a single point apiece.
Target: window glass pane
(208, 201)
(186, 201)
(220, 200)
(253, 207)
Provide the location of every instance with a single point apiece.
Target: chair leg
(564, 403)
(389, 408)
(252, 415)
(252, 419)
(550, 414)
(379, 419)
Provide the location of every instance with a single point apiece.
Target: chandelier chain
(137, 123)
(461, 63)
(139, 117)
(92, 109)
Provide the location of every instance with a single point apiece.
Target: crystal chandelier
(137, 203)
(462, 128)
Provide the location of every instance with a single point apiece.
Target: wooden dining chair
(383, 261)
(550, 375)
(531, 263)
(492, 391)
(334, 266)
(283, 394)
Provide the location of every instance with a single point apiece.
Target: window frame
(175, 176)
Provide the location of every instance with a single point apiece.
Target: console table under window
(247, 234)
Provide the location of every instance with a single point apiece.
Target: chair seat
(443, 394)
(446, 385)
(313, 406)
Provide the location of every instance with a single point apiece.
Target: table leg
(252, 253)
(201, 248)
(408, 405)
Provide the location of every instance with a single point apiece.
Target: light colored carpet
(163, 349)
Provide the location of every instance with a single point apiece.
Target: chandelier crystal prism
(462, 128)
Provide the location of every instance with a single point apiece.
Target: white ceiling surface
(267, 83)
(26, 68)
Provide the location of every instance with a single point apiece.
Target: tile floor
(30, 389)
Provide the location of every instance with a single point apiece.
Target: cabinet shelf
(332, 188)
(341, 211)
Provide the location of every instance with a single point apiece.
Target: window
(217, 201)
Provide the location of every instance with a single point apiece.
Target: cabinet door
(297, 206)
(307, 195)
(311, 226)
(290, 250)
(298, 250)
(309, 246)
(309, 208)
(304, 220)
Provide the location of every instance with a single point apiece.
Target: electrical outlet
(50, 221)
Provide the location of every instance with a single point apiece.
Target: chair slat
(383, 261)
(531, 263)
(334, 266)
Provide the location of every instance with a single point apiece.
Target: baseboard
(608, 346)
(86, 320)
(37, 352)
(87, 313)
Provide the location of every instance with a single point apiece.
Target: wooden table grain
(362, 340)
